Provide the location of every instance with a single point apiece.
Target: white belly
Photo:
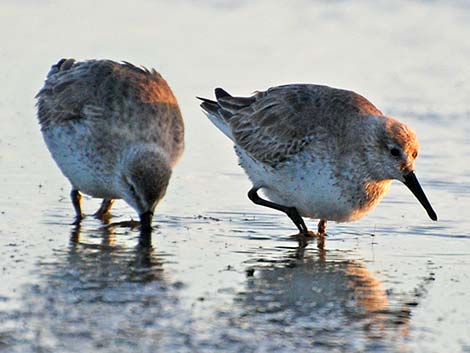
(307, 184)
(82, 158)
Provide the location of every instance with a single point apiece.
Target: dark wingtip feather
(206, 100)
(209, 105)
(220, 93)
(210, 108)
(62, 64)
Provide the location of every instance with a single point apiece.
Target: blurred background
(223, 274)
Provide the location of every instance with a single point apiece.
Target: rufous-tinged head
(399, 149)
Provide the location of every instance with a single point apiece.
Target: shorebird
(115, 131)
(317, 151)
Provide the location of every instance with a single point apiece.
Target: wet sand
(224, 275)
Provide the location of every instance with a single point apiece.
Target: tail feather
(225, 106)
(234, 104)
(209, 106)
(216, 115)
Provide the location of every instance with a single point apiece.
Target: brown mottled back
(283, 120)
(124, 102)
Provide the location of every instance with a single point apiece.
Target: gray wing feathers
(115, 98)
(278, 123)
(98, 88)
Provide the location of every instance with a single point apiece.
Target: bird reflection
(98, 292)
(139, 264)
(324, 294)
(303, 239)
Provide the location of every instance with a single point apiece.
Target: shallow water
(224, 275)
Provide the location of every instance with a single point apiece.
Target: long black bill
(146, 221)
(413, 184)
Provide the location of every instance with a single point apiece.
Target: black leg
(76, 202)
(103, 211)
(291, 212)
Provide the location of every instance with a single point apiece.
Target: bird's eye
(132, 188)
(415, 154)
(395, 152)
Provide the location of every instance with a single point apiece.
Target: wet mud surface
(221, 274)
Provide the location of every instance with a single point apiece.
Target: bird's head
(143, 177)
(398, 150)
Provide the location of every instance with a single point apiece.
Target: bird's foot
(104, 212)
(124, 224)
(311, 235)
(103, 216)
(78, 219)
(304, 238)
(308, 234)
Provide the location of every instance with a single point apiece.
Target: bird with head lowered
(317, 151)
